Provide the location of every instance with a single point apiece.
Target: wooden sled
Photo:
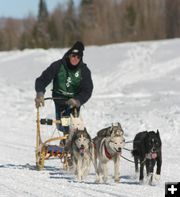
(44, 150)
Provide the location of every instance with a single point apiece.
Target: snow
(136, 84)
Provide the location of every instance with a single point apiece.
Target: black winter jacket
(86, 85)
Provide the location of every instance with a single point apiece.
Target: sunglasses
(75, 56)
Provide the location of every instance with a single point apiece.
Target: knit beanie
(77, 49)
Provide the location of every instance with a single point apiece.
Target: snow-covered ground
(136, 84)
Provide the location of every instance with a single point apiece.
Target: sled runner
(44, 149)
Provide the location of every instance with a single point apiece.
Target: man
(72, 82)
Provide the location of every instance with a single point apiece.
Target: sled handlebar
(54, 98)
(61, 101)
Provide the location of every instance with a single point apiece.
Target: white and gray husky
(108, 146)
(82, 153)
(75, 123)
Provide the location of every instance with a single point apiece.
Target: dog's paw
(141, 182)
(79, 179)
(157, 177)
(149, 179)
(117, 180)
(105, 179)
(97, 179)
(136, 175)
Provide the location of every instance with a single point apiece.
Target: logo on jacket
(76, 74)
(68, 81)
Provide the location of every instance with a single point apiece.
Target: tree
(172, 18)
(40, 32)
(26, 40)
(56, 22)
(43, 12)
(70, 27)
(11, 33)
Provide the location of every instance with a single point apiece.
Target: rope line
(127, 149)
(127, 159)
(131, 141)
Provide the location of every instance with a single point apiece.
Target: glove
(73, 103)
(39, 100)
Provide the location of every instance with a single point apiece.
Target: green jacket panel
(67, 81)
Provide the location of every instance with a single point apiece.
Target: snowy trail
(141, 91)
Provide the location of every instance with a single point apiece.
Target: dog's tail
(135, 152)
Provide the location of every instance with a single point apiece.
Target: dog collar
(108, 155)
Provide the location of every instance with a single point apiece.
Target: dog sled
(47, 149)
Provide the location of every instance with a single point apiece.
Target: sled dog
(147, 151)
(75, 123)
(108, 146)
(82, 153)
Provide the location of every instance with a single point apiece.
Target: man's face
(74, 59)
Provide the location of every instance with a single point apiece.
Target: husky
(75, 123)
(82, 153)
(109, 143)
(116, 127)
(147, 150)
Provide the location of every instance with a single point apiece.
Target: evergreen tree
(87, 20)
(41, 32)
(70, 25)
(43, 12)
(86, 2)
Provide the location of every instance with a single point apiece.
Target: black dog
(147, 150)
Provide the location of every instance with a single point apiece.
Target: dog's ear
(74, 136)
(85, 130)
(120, 128)
(109, 131)
(157, 132)
(158, 135)
(122, 132)
(119, 125)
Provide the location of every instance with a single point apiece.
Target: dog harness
(108, 155)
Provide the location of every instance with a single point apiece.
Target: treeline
(94, 22)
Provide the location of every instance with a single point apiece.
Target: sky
(22, 8)
(136, 84)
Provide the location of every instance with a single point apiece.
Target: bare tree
(95, 22)
(172, 18)
(26, 40)
(11, 33)
(56, 27)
